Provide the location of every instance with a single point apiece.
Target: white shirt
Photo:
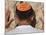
(24, 29)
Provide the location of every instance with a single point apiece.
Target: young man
(25, 19)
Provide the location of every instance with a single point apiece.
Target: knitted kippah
(23, 7)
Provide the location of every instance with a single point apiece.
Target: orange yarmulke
(23, 7)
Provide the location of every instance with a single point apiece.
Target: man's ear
(31, 18)
(17, 19)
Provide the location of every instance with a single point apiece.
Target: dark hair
(26, 15)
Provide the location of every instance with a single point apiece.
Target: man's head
(25, 14)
